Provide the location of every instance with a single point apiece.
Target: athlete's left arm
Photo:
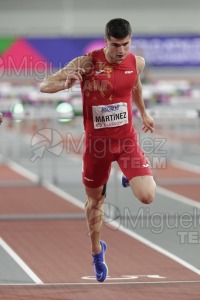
(148, 122)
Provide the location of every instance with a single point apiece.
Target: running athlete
(110, 82)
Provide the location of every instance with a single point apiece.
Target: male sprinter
(110, 81)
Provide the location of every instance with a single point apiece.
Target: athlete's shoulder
(140, 63)
(80, 61)
(131, 57)
(95, 53)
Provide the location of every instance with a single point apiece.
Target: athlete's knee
(147, 196)
(94, 202)
(96, 197)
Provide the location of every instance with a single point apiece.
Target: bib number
(114, 115)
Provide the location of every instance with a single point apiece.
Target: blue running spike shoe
(125, 182)
(100, 267)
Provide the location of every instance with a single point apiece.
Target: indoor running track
(45, 252)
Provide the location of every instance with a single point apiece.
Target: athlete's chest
(106, 80)
(122, 75)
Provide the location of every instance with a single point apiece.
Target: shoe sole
(104, 247)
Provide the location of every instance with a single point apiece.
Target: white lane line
(185, 166)
(22, 171)
(100, 283)
(157, 248)
(33, 177)
(177, 197)
(174, 196)
(136, 236)
(20, 262)
(52, 188)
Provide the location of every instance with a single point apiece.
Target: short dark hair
(118, 28)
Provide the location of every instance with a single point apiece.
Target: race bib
(112, 115)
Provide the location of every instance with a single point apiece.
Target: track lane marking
(22, 171)
(101, 283)
(186, 166)
(20, 262)
(177, 197)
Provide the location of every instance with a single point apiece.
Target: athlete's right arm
(66, 77)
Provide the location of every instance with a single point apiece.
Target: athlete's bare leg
(143, 187)
(94, 215)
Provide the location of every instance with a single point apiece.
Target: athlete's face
(117, 49)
